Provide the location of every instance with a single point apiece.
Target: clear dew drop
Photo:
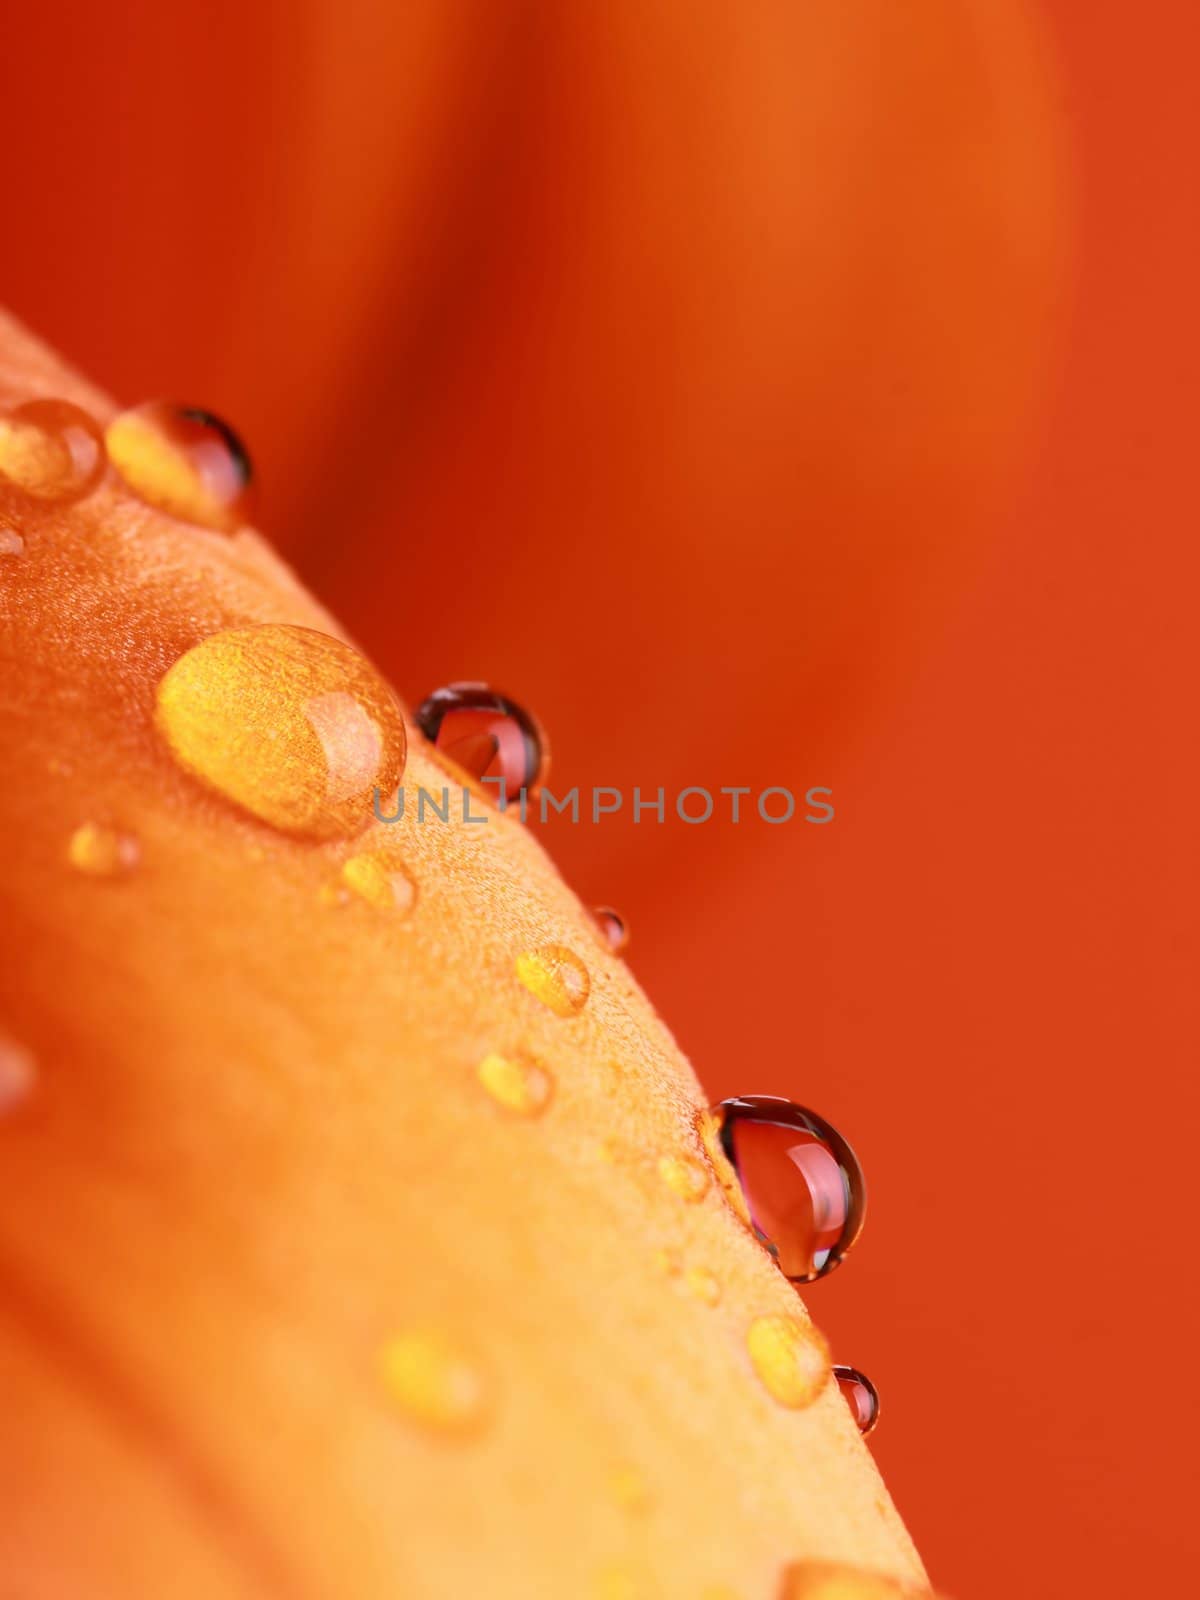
(830, 1580)
(790, 1358)
(101, 852)
(435, 1382)
(516, 1083)
(488, 736)
(18, 1073)
(557, 977)
(381, 879)
(684, 1176)
(291, 724)
(860, 1394)
(703, 1285)
(184, 461)
(796, 1181)
(11, 542)
(612, 927)
(51, 450)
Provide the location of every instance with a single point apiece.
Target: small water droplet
(436, 1382)
(11, 542)
(685, 1176)
(829, 1580)
(380, 878)
(487, 735)
(790, 1357)
(102, 852)
(861, 1396)
(614, 930)
(800, 1180)
(185, 461)
(557, 977)
(18, 1073)
(51, 450)
(617, 1583)
(667, 1262)
(705, 1285)
(291, 724)
(516, 1083)
(630, 1490)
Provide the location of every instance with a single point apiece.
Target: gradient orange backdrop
(784, 394)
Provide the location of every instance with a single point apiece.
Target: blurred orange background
(786, 394)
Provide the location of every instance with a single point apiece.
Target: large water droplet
(11, 542)
(860, 1395)
(684, 1176)
(102, 852)
(799, 1178)
(516, 1083)
(185, 461)
(557, 977)
(51, 450)
(829, 1580)
(435, 1382)
(381, 879)
(790, 1357)
(487, 735)
(18, 1073)
(291, 724)
(613, 928)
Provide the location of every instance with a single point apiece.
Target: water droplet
(829, 1580)
(516, 1083)
(630, 1490)
(685, 1176)
(18, 1073)
(614, 930)
(11, 542)
(790, 1357)
(381, 879)
(705, 1285)
(487, 735)
(51, 450)
(617, 1583)
(436, 1382)
(183, 460)
(291, 724)
(799, 1178)
(861, 1396)
(557, 977)
(102, 852)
